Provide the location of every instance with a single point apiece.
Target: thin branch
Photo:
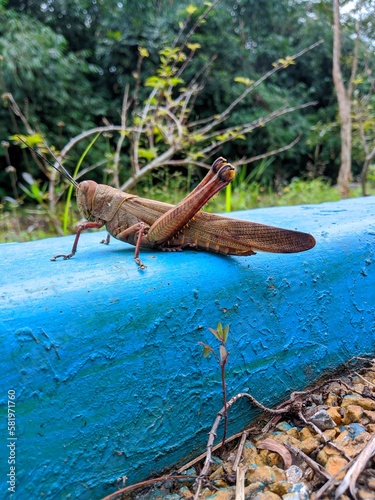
(83, 135)
(246, 161)
(355, 61)
(198, 22)
(137, 134)
(116, 158)
(330, 483)
(260, 122)
(240, 483)
(325, 439)
(319, 469)
(371, 384)
(226, 113)
(240, 450)
(155, 163)
(17, 111)
(197, 459)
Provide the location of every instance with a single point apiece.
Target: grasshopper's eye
(83, 186)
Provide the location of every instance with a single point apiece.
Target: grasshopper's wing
(238, 237)
(144, 209)
(222, 234)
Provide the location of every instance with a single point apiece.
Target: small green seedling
(221, 333)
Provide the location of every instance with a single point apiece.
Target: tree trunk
(344, 105)
(364, 171)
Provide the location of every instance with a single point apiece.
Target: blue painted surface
(104, 358)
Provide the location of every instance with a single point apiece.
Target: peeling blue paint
(105, 362)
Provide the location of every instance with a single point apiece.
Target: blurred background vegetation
(156, 83)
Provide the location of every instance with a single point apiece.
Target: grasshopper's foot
(141, 266)
(65, 257)
(106, 240)
(172, 249)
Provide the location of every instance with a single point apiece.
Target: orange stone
(334, 464)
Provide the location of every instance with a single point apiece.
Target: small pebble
(293, 474)
(301, 490)
(322, 420)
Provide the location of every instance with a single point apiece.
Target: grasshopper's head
(85, 197)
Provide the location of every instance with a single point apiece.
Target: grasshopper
(147, 223)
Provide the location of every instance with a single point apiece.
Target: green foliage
(68, 63)
(311, 191)
(36, 65)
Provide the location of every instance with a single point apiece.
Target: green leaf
(222, 137)
(143, 52)
(149, 154)
(190, 9)
(206, 350)
(114, 35)
(225, 333)
(155, 81)
(175, 81)
(220, 330)
(193, 46)
(197, 137)
(214, 332)
(245, 81)
(31, 140)
(284, 62)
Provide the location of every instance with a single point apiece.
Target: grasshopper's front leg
(168, 225)
(82, 227)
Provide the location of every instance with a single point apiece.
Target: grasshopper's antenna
(61, 169)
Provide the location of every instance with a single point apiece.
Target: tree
(344, 99)
(364, 121)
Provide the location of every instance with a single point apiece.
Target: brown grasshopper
(154, 224)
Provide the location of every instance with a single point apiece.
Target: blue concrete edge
(105, 362)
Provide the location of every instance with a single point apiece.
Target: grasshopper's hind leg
(134, 235)
(168, 225)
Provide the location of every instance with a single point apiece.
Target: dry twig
(240, 483)
(356, 468)
(142, 484)
(310, 462)
(240, 450)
